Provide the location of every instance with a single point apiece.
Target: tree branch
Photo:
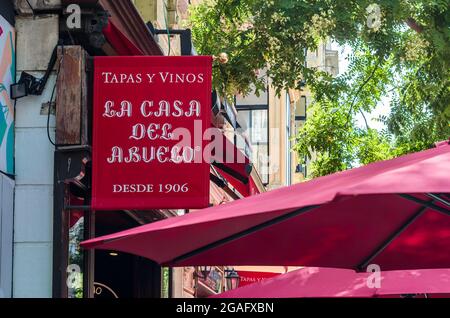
(360, 89)
(413, 25)
(365, 119)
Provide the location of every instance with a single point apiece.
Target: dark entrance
(119, 274)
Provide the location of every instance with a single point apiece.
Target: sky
(382, 107)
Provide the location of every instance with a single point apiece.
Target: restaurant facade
(60, 180)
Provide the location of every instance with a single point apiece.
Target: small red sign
(248, 277)
(149, 116)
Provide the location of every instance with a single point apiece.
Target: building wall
(33, 206)
(280, 143)
(325, 59)
(6, 234)
(165, 14)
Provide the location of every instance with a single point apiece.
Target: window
(300, 108)
(254, 121)
(300, 118)
(288, 142)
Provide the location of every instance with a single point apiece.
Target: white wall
(33, 206)
(6, 234)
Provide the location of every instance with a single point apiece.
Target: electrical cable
(51, 97)
(31, 7)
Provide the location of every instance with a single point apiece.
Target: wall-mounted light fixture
(18, 90)
(29, 84)
(232, 279)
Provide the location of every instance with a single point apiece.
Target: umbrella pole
(428, 204)
(424, 206)
(389, 240)
(438, 198)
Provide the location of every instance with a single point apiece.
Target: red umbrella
(393, 213)
(332, 282)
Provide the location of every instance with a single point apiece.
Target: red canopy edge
(118, 40)
(232, 163)
(334, 282)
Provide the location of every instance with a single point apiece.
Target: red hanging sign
(150, 113)
(248, 277)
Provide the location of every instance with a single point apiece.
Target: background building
(273, 121)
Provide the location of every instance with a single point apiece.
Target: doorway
(122, 275)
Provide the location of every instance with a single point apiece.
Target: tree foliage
(406, 57)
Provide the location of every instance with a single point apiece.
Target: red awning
(121, 44)
(233, 165)
(393, 213)
(253, 187)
